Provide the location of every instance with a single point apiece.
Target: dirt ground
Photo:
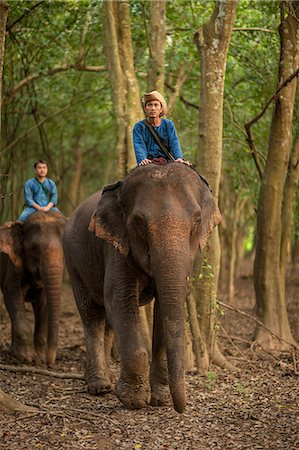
(254, 408)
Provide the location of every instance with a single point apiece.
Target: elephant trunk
(52, 280)
(171, 283)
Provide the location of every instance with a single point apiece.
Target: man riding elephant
(31, 270)
(40, 192)
(155, 139)
(134, 241)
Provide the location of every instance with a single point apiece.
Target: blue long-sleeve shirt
(40, 193)
(145, 145)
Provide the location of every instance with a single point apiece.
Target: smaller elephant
(31, 270)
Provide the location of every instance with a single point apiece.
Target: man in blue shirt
(40, 193)
(145, 146)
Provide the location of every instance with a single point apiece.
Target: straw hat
(155, 95)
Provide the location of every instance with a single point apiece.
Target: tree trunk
(74, 187)
(268, 278)
(189, 355)
(212, 41)
(199, 349)
(117, 80)
(157, 39)
(126, 95)
(3, 20)
(7, 403)
(181, 77)
(288, 206)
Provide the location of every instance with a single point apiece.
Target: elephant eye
(33, 249)
(139, 225)
(196, 222)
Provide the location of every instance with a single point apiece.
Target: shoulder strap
(157, 139)
(44, 188)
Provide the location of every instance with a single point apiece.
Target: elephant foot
(23, 354)
(51, 357)
(39, 358)
(133, 396)
(160, 395)
(98, 386)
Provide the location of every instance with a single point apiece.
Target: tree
(268, 276)
(3, 20)
(125, 88)
(7, 403)
(157, 39)
(212, 41)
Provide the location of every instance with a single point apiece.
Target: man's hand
(37, 207)
(180, 160)
(48, 207)
(43, 208)
(144, 162)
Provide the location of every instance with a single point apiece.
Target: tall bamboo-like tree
(157, 41)
(7, 403)
(3, 20)
(268, 276)
(212, 41)
(126, 95)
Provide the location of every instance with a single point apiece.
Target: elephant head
(11, 237)
(160, 216)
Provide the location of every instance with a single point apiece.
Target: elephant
(31, 270)
(135, 240)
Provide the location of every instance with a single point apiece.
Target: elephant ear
(210, 216)
(11, 239)
(108, 221)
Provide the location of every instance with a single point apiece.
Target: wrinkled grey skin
(139, 240)
(31, 269)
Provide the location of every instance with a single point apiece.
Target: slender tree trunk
(182, 76)
(288, 206)
(212, 41)
(3, 20)
(199, 347)
(189, 355)
(118, 83)
(74, 187)
(133, 104)
(3, 164)
(268, 279)
(235, 230)
(126, 96)
(7, 403)
(157, 40)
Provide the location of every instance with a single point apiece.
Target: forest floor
(256, 407)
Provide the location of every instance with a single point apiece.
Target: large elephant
(136, 240)
(31, 269)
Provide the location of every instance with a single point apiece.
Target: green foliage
(241, 389)
(211, 379)
(74, 108)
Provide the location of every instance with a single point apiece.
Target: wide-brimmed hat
(155, 95)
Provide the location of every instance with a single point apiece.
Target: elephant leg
(109, 340)
(21, 331)
(160, 394)
(121, 304)
(96, 370)
(93, 317)
(39, 304)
